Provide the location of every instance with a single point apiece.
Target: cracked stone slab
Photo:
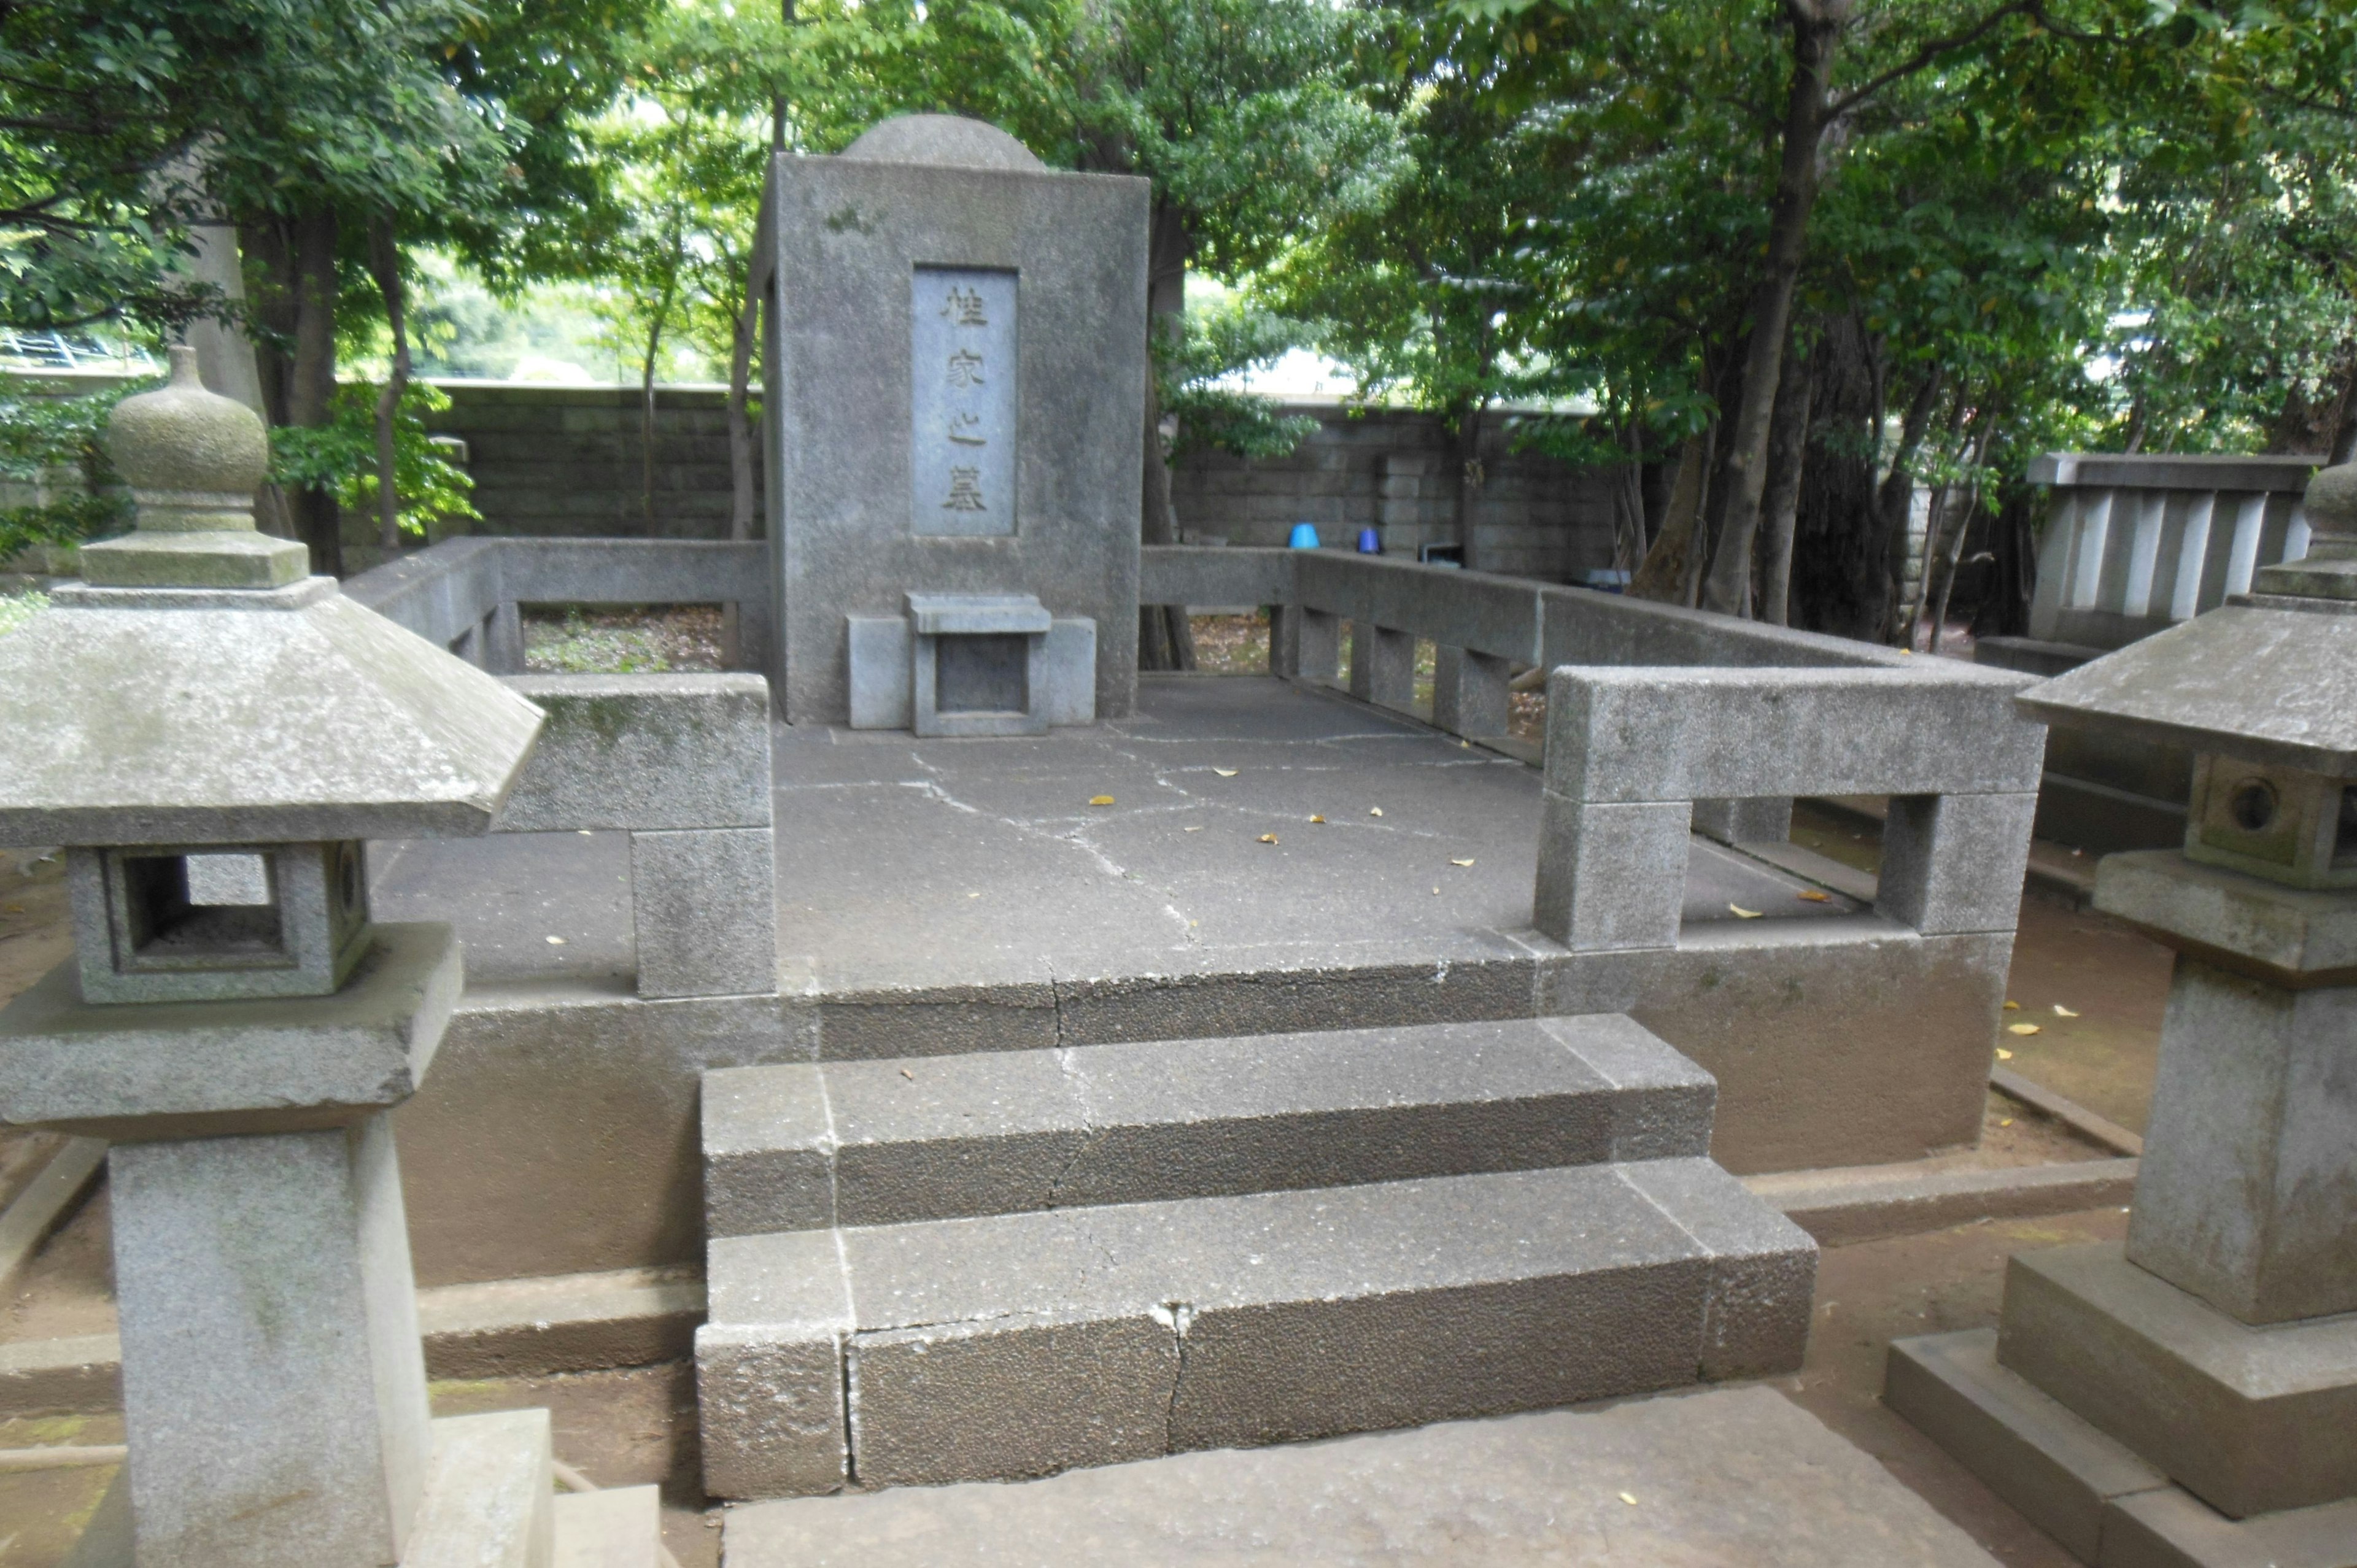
(1729, 1475)
(1016, 1345)
(881, 1143)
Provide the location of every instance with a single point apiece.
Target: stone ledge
(504, 1328)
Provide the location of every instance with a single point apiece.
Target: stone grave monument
(956, 364)
(211, 734)
(2190, 1397)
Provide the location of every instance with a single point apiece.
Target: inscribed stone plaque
(962, 400)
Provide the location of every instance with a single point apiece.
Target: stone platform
(951, 896)
(1723, 1478)
(929, 865)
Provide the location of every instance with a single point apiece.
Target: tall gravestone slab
(955, 365)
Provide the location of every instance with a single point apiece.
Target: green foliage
(340, 456)
(1197, 369)
(16, 609)
(55, 447)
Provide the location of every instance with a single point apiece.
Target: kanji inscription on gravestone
(962, 435)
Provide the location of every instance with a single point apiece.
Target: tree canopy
(1772, 265)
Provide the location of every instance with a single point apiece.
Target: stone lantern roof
(197, 689)
(2271, 677)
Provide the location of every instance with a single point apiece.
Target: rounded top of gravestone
(947, 139)
(2331, 503)
(181, 440)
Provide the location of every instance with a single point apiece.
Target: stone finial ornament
(193, 459)
(2328, 569)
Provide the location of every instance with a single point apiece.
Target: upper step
(888, 1142)
(1019, 1344)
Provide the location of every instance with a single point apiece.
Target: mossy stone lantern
(2213, 1354)
(213, 736)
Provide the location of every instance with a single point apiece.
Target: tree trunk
(1788, 452)
(647, 409)
(1837, 582)
(1664, 574)
(1816, 25)
(291, 280)
(1165, 638)
(385, 263)
(1896, 492)
(741, 427)
(1466, 493)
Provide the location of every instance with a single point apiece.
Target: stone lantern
(2190, 1397)
(212, 736)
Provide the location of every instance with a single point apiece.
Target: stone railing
(466, 594)
(681, 762)
(1481, 626)
(2136, 544)
(1942, 741)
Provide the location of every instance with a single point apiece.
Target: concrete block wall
(1390, 469)
(564, 461)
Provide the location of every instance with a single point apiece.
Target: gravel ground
(647, 639)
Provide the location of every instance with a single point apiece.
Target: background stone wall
(564, 460)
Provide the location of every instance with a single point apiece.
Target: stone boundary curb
(503, 1328)
(1876, 1202)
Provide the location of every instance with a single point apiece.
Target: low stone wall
(565, 461)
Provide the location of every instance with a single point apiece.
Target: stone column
(265, 1282)
(1383, 665)
(1468, 691)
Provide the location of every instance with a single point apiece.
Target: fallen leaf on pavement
(2021, 1028)
(556, 941)
(1627, 1498)
(1225, 772)
(1196, 828)
(2013, 1006)
(1269, 838)
(1743, 914)
(906, 1074)
(1460, 863)
(1316, 818)
(1100, 800)
(1374, 811)
(1814, 896)
(2063, 1011)
(2003, 1055)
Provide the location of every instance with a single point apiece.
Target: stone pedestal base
(488, 1502)
(2140, 1426)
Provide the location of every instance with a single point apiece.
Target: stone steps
(938, 1269)
(892, 1140)
(1017, 1345)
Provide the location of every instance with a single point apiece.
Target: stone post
(1469, 692)
(1383, 665)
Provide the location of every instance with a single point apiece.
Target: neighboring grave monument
(956, 374)
(2190, 1398)
(212, 734)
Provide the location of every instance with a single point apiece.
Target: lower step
(619, 1527)
(1017, 1345)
